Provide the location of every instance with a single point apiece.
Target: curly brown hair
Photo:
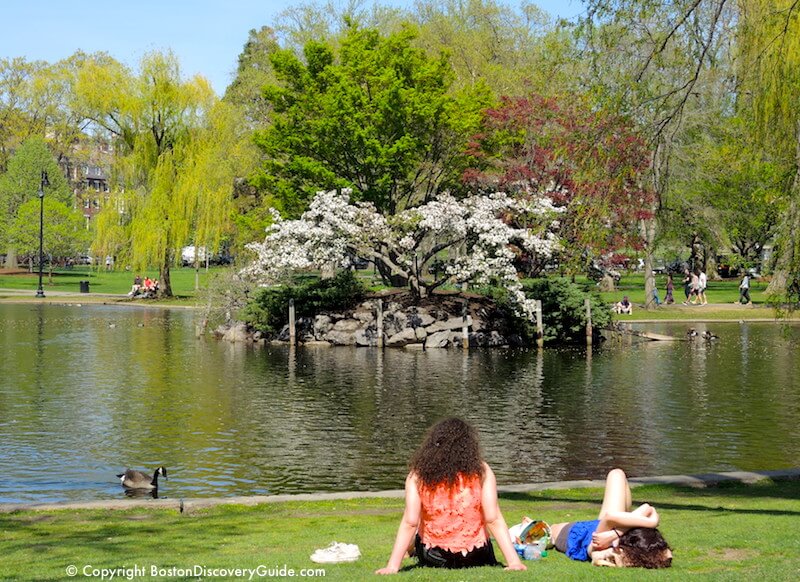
(450, 449)
(645, 547)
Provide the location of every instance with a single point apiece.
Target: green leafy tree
(769, 41)
(175, 165)
(64, 233)
(376, 117)
(662, 63)
(253, 72)
(16, 78)
(732, 193)
(502, 46)
(22, 182)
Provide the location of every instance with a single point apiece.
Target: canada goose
(691, 334)
(132, 479)
(707, 335)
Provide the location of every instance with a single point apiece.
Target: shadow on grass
(767, 489)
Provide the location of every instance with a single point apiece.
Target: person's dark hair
(450, 449)
(645, 547)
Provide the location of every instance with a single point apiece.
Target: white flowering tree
(471, 240)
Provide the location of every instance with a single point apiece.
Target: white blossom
(473, 237)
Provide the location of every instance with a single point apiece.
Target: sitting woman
(451, 502)
(625, 306)
(619, 537)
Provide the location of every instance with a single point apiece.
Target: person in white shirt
(744, 290)
(701, 291)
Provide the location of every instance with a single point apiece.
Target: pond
(86, 391)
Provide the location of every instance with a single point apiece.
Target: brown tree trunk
(648, 227)
(11, 258)
(786, 267)
(164, 284)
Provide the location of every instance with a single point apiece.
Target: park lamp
(44, 182)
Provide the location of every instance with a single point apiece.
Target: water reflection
(94, 390)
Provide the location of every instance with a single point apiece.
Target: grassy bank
(729, 532)
(67, 280)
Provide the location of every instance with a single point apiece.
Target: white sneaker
(335, 553)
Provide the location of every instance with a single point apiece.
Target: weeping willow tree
(219, 152)
(177, 153)
(769, 42)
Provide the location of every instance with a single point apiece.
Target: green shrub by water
(268, 310)
(564, 310)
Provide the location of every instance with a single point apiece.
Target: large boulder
(349, 325)
(322, 325)
(237, 333)
(394, 322)
(440, 339)
(366, 337)
(364, 316)
(402, 338)
(448, 325)
(419, 317)
(341, 338)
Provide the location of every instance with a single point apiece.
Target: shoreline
(14, 296)
(700, 480)
(83, 299)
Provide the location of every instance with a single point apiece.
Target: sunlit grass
(102, 281)
(723, 533)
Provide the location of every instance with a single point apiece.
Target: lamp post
(42, 184)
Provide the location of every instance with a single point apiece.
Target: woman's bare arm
(407, 529)
(643, 516)
(495, 522)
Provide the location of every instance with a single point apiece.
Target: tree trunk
(649, 234)
(786, 246)
(696, 255)
(389, 278)
(164, 284)
(11, 258)
(711, 264)
(785, 264)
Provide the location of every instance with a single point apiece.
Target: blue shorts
(580, 536)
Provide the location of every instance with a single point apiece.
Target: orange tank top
(452, 517)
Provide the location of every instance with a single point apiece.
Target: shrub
(268, 310)
(563, 309)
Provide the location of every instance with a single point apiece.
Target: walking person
(687, 285)
(744, 290)
(668, 298)
(702, 286)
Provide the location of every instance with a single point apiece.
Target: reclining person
(620, 537)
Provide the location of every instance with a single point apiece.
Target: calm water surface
(88, 391)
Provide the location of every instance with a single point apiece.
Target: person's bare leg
(617, 496)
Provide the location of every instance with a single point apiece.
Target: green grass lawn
(102, 281)
(729, 532)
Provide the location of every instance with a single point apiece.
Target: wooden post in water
(380, 323)
(464, 326)
(539, 325)
(292, 332)
(587, 302)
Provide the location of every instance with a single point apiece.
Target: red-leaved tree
(591, 162)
